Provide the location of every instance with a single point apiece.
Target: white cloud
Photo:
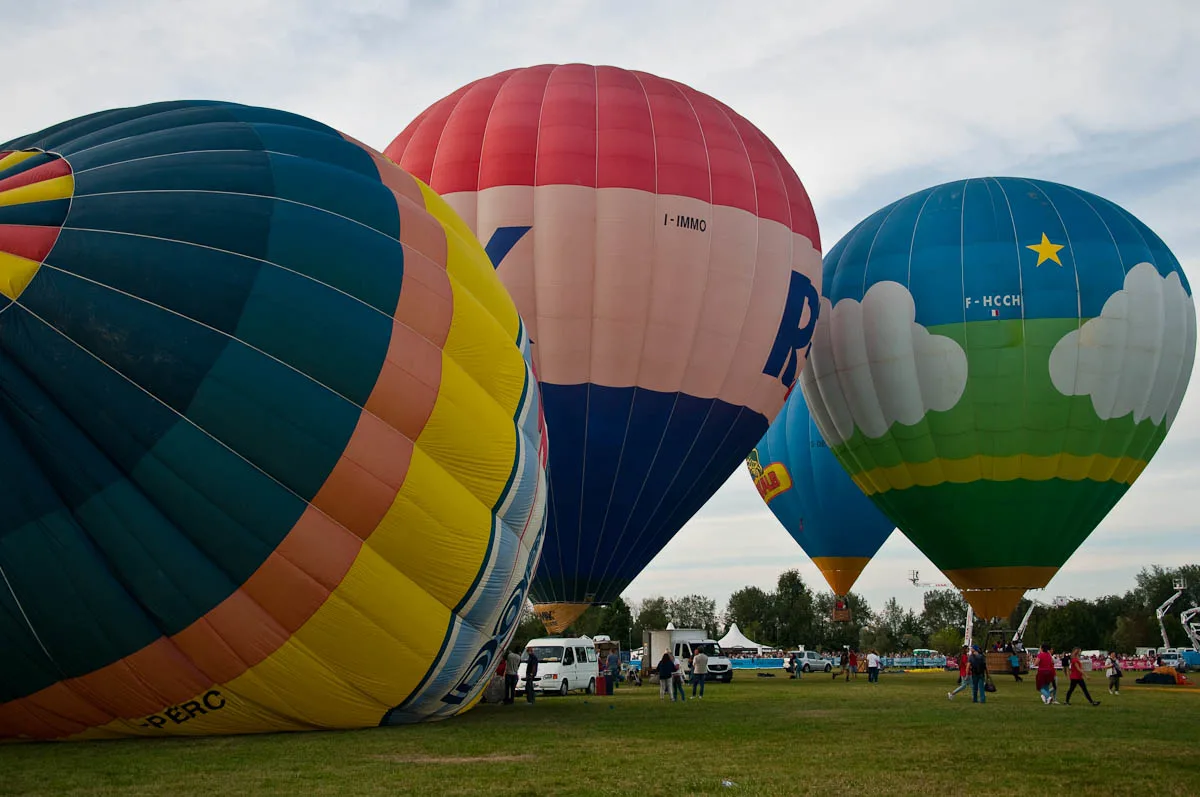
(872, 365)
(1137, 355)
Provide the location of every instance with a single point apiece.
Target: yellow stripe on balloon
(43, 191)
(13, 158)
(16, 273)
(448, 553)
(1069, 467)
(346, 664)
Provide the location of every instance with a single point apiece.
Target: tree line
(793, 614)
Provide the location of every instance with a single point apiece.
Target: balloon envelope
(1001, 360)
(270, 448)
(815, 499)
(664, 256)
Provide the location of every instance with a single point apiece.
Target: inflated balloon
(815, 499)
(271, 454)
(1002, 359)
(664, 255)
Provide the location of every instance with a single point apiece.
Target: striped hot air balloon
(664, 255)
(998, 360)
(271, 450)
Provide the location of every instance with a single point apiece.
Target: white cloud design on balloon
(872, 365)
(1136, 356)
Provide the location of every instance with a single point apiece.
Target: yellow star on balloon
(1046, 250)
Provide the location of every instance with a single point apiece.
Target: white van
(564, 664)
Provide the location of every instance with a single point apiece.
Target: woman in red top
(1077, 679)
(1045, 675)
(852, 670)
(964, 679)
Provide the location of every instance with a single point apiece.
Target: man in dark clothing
(531, 664)
(978, 665)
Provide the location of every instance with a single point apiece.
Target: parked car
(812, 661)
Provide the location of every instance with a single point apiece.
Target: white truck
(683, 643)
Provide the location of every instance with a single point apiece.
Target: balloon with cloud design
(997, 361)
(664, 255)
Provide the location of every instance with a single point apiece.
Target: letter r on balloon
(784, 360)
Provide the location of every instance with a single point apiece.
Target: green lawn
(767, 735)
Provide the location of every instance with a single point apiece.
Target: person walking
(872, 667)
(963, 677)
(1014, 661)
(1046, 671)
(841, 663)
(1113, 671)
(511, 676)
(978, 664)
(531, 667)
(852, 669)
(664, 670)
(1077, 679)
(614, 671)
(699, 673)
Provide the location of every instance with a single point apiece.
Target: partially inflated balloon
(815, 499)
(270, 444)
(1002, 359)
(664, 255)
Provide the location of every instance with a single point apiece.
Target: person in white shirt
(699, 672)
(873, 667)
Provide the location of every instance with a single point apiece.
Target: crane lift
(1192, 629)
(915, 577)
(1179, 586)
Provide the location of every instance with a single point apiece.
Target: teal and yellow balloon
(814, 498)
(271, 448)
(996, 362)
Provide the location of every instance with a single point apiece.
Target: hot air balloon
(664, 256)
(271, 453)
(999, 360)
(815, 499)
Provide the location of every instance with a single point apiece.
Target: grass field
(767, 735)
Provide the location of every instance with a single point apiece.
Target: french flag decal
(995, 313)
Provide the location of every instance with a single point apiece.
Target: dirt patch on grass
(453, 759)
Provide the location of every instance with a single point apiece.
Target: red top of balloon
(604, 127)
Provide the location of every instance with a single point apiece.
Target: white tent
(736, 640)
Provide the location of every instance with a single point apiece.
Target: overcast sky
(868, 100)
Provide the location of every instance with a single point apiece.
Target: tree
(1132, 632)
(792, 615)
(617, 622)
(891, 618)
(947, 640)
(1070, 626)
(748, 607)
(694, 611)
(529, 628)
(651, 615)
(943, 608)
(875, 638)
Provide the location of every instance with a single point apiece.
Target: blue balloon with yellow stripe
(272, 454)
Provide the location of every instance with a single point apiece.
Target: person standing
(963, 676)
(677, 683)
(1045, 675)
(852, 668)
(512, 664)
(665, 670)
(1113, 671)
(1077, 679)
(872, 667)
(841, 663)
(699, 673)
(978, 664)
(614, 670)
(531, 667)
